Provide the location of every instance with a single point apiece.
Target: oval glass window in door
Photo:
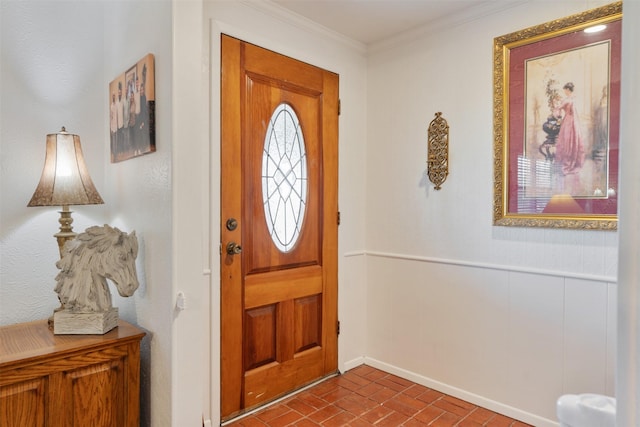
(284, 177)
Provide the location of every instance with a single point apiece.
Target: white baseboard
(483, 402)
(350, 364)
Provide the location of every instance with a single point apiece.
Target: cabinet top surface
(32, 340)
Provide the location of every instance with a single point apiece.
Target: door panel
(262, 255)
(278, 302)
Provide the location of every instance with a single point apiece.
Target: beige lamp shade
(65, 179)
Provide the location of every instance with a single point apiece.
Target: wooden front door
(279, 219)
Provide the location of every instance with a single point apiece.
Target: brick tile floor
(365, 396)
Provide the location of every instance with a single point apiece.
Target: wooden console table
(69, 380)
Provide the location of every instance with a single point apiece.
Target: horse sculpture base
(67, 322)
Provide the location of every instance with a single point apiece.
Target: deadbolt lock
(232, 224)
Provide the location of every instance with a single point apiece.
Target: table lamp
(65, 181)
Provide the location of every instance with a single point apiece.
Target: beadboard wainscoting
(508, 339)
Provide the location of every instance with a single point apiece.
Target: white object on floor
(586, 410)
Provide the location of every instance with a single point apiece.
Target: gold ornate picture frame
(556, 122)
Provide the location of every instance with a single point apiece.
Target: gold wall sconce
(65, 181)
(438, 155)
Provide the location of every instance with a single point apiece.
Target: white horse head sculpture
(98, 254)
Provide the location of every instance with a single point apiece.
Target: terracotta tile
(446, 420)
(285, 419)
(376, 414)
(448, 406)
(393, 385)
(272, 412)
(412, 422)
(375, 374)
(469, 423)
(356, 404)
(324, 388)
(354, 378)
(480, 415)
(325, 413)
(312, 400)
(398, 380)
(366, 397)
(363, 370)
(300, 406)
(359, 422)
(428, 414)
(410, 401)
(332, 380)
(336, 394)
(365, 401)
(401, 407)
(253, 422)
(459, 402)
(383, 395)
(394, 419)
(305, 422)
(430, 396)
(339, 420)
(250, 421)
(415, 390)
(369, 389)
(349, 384)
(499, 420)
(351, 406)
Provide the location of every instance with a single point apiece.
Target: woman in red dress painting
(570, 147)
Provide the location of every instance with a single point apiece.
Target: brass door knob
(233, 248)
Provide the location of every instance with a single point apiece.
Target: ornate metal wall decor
(438, 157)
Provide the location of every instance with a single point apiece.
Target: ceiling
(371, 21)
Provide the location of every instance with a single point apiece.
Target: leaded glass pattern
(284, 177)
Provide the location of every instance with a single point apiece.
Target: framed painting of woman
(556, 122)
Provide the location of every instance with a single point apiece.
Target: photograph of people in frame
(131, 111)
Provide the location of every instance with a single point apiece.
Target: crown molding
(287, 16)
(470, 14)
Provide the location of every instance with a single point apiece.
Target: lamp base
(66, 230)
(66, 322)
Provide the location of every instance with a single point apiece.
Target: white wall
(57, 60)
(490, 310)
(509, 318)
(628, 348)
(47, 82)
(193, 247)
(139, 192)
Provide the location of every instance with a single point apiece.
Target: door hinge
(339, 106)
(338, 218)
(338, 327)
